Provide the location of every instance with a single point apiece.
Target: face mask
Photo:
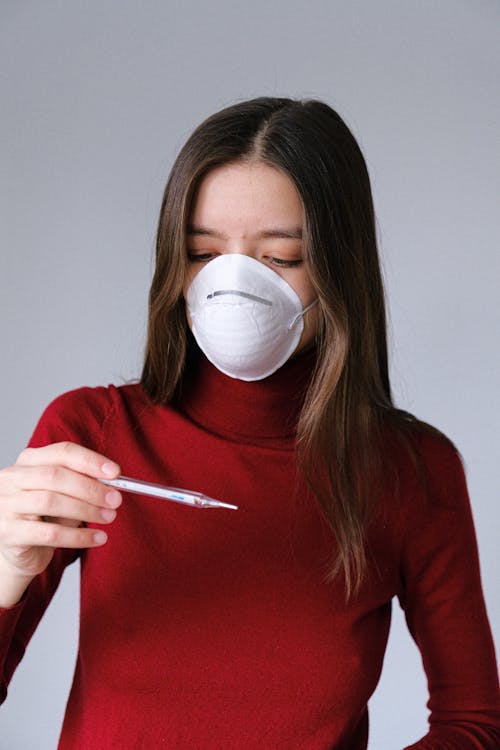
(244, 316)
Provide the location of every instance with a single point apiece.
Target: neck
(259, 412)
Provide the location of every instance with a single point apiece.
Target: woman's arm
(445, 611)
(19, 622)
(46, 500)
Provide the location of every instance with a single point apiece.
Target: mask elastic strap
(301, 313)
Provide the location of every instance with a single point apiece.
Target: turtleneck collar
(261, 412)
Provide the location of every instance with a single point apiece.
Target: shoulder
(80, 415)
(426, 504)
(439, 463)
(437, 504)
(425, 466)
(98, 400)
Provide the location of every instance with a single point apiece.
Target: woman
(265, 385)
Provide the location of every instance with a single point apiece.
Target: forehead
(236, 195)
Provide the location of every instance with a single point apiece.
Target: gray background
(97, 97)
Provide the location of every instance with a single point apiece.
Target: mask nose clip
(238, 293)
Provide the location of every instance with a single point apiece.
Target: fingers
(55, 505)
(58, 483)
(72, 456)
(45, 486)
(21, 533)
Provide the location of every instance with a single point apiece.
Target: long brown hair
(349, 398)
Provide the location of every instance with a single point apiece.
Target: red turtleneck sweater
(215, 629)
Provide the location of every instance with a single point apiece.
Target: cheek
(311, 321)
(311, 326)
(192, 270)
(305, 291)
(190, 273)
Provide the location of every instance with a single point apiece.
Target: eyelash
(200, 257)
(280, 262)
(285, 263)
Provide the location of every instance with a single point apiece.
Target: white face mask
(244, 316)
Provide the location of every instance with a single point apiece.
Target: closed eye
(201, 257)
(285, 263)
(197, 257)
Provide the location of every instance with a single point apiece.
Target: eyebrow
(274, 233)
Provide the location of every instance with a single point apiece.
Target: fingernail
(109, 468)
(100, 537)
(108, 515)
(113, 499)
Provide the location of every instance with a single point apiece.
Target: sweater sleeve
(445, 610)
(76, 416)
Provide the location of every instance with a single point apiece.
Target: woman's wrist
(12, 586)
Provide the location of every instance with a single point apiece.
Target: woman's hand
(44, 499)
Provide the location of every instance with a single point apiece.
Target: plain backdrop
(96, 99)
